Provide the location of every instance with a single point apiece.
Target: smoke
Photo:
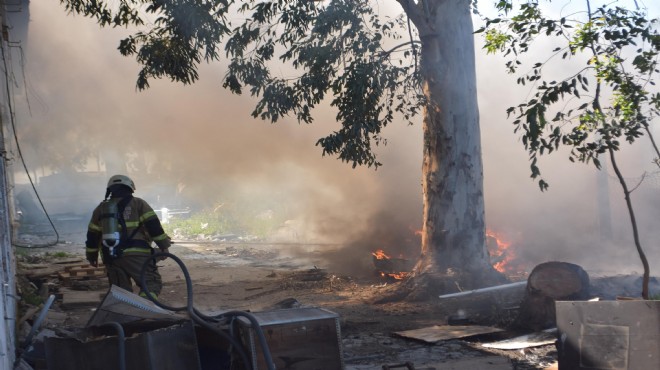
(77, 109)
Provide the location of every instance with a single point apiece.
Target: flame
(380, 255)
(500, 252)
(400, 275)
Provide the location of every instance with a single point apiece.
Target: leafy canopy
(608, 96)
(291, 55)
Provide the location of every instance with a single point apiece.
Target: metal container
(608, 335)
(298, 338)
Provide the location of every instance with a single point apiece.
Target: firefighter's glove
(93, 258)
(163, 250)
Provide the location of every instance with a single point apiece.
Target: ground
(258, 277)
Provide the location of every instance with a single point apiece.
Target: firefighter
(122, 229)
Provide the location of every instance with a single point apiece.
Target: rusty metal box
(298, 338)
(608, 335)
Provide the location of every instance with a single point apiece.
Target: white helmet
(123, 180)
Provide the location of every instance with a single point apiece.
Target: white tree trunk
(453, 234)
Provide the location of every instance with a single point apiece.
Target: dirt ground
(260, 277)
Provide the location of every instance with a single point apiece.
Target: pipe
(121, 343)
(482, 290)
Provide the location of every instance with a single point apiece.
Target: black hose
(204, 320)
(121, 343)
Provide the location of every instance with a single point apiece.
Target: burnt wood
(547, 283)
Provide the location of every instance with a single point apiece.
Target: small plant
(59, 254)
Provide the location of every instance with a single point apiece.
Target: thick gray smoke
(79, 110)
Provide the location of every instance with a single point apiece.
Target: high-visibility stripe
(94, 227)
(130, 224)
(147, 215)
(153, 295)
(160, 237)
(91, 250)
(138, 250)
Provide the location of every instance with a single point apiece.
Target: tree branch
(416, 13)
(388, 52)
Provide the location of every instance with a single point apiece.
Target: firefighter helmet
(123, 180)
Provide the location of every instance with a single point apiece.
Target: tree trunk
(453, 255)
(547, 283)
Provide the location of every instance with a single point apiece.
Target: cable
(20, 154)
(204, 320)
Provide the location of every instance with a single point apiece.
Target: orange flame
(500, 252)
(380, 255)
(399, 275)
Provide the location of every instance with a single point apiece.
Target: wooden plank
(36, 271)
(67, 278)
(55, 318)
(40, 272)
(90, 270)
(436, 333)
(82, 266)
(75, 298)
(76, 276)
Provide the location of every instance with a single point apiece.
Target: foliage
(237, 220)
(619, 50)
(613, 53)
(337, 48)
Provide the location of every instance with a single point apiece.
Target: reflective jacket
(137, 214)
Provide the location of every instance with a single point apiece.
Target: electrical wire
(204, 320)
(20, 154)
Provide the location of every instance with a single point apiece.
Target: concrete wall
(8, 72)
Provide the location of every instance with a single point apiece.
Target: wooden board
(436, 333)
(81, 273)
(76, 298)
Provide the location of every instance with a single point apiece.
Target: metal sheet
(541, 338)
(170, 348)
(609, 335)
(291, 315)
(122, 306)
(437, 333)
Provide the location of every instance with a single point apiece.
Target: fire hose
(204, 320)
